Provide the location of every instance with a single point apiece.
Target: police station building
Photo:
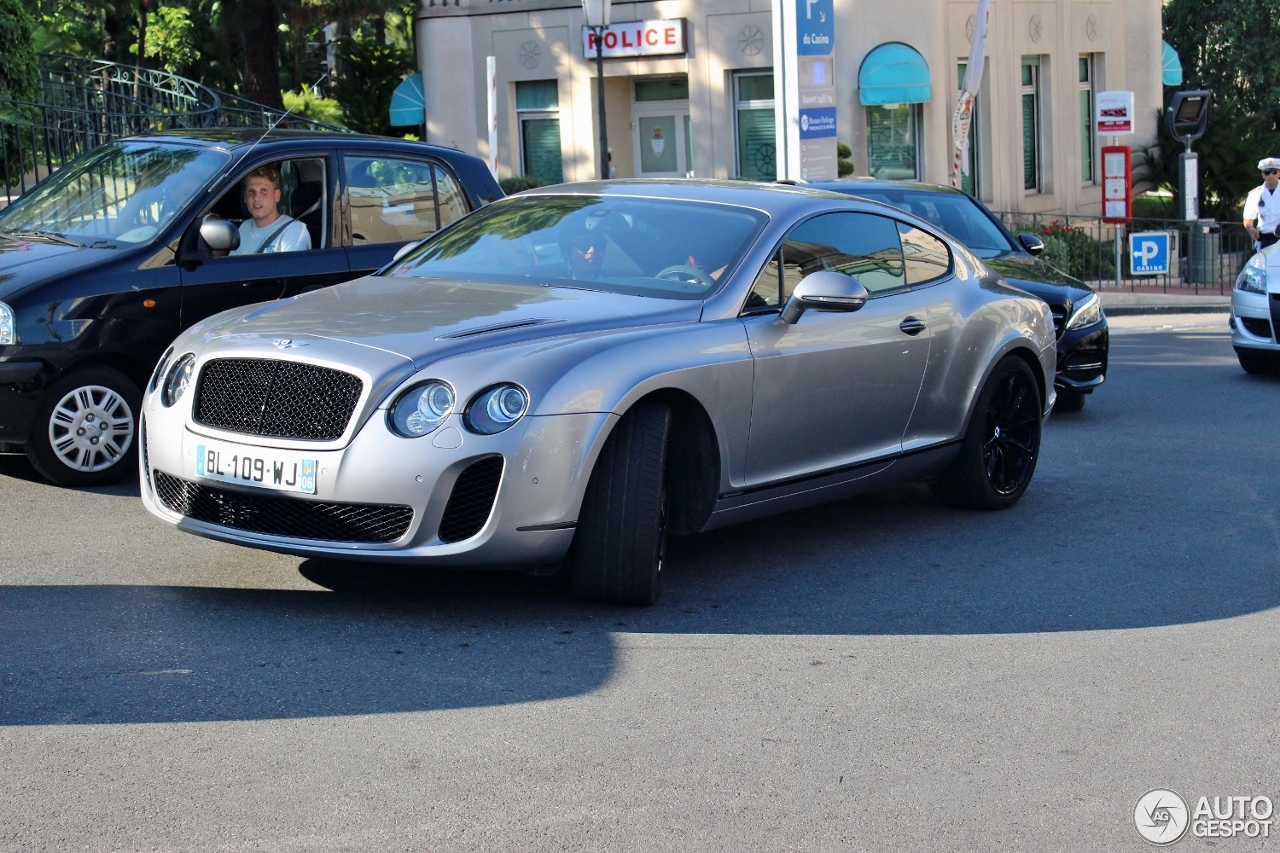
(689, 89)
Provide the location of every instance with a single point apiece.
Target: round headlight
(179, 379)
(422, 409)
(496, 408)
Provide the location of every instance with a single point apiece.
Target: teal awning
(407, 102)
(894, 73)
(1170, 65)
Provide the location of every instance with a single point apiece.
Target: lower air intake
(283, 516)
(472, 500)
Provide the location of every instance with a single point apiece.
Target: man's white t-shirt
(1264, 205)
(293, 236)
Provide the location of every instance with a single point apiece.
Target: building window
(754, 126)
(1032, 140)
(663, 89)
(1088, 142)
(893, 141)
(538, 110)
(969, 182)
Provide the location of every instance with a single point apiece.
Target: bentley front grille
(283, 516)
(276, 399)
(471, 501)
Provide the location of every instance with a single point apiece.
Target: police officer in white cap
(1262, 207)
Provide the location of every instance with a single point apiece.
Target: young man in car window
(268, 230)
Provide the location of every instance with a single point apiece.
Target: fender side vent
(471, 501)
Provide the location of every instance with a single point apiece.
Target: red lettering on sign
(626, 42)
(650, 37)
(610, 40)
(670, 36)
(591, 41)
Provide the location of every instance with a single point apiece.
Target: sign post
(1114, 117)
(804, 37)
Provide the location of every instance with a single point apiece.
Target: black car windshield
(955, 213)
(121, 193)
(637, 246)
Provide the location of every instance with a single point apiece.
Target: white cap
(1269, 163)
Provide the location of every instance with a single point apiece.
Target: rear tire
(1001, 445)
(1069, 401)
(1257, 363)
(621, 539)
(86, 428)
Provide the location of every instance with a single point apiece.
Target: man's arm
(1251, 212)
(296, 238)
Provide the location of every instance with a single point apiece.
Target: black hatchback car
(1078, 318)
(105, 262)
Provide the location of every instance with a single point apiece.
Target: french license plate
(253, 466)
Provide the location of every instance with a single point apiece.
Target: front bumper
(546, 462)
(20, 386)
(1253, 320)
(1082, 358)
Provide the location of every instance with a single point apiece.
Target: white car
(1255, 313)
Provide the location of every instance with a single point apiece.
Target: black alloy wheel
(998, 455)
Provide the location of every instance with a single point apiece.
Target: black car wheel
(1257, 362)
(1069, 401)
(1002, 444)
(621, 538)
(85, 433)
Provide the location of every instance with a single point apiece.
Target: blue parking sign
(815, 27)
(1149, 253)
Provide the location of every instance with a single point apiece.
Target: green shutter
(542, 157)
(1030, 169)
(757, 145)
(537, 95)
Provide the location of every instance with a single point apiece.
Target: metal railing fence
(1205, 256)
(85, 103)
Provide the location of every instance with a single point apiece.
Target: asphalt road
(878, 674)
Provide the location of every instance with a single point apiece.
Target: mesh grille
(472, 500)
(282, 516)
(142, 442)
(279, 399)
(1255, 326)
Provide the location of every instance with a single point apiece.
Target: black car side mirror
(220, 235)
(1031, 243)
(824, 290)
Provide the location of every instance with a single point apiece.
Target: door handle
(912, 326)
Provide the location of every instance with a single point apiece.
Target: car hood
(26, 262)
(425, 319)
(1039, 279)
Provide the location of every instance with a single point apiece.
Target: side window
(453, 204)
(767, 291)
(860, 245)
(927, 258)
(391, 200)
(279, 207)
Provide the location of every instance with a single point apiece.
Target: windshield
(636, 246)
(954, 213)
(124, 192)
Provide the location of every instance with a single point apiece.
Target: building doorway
(660, 134)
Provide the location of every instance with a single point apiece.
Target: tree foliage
(19, 75)
(1230, 48)
(371, 71)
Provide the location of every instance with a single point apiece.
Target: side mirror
(1031, 243)
(824, 290)
(220, 235)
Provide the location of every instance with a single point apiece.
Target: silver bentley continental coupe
(564, 377)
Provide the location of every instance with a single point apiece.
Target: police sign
(1149, 253)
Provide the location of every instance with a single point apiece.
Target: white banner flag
(963, 118)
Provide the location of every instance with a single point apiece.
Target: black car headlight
(495, 409)
(178, 380)
(1254, 277)
(422, 409)
(1085, 313)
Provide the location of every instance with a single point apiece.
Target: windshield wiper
(51, 236)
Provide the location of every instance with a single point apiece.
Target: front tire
(86, 428)
(621, 539)
(1001, 445)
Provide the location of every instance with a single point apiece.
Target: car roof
(767, 196)
(231, 138)
(855, 185)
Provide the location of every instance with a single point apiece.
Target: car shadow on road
(1148, 510)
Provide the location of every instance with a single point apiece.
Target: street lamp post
(597, 14)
